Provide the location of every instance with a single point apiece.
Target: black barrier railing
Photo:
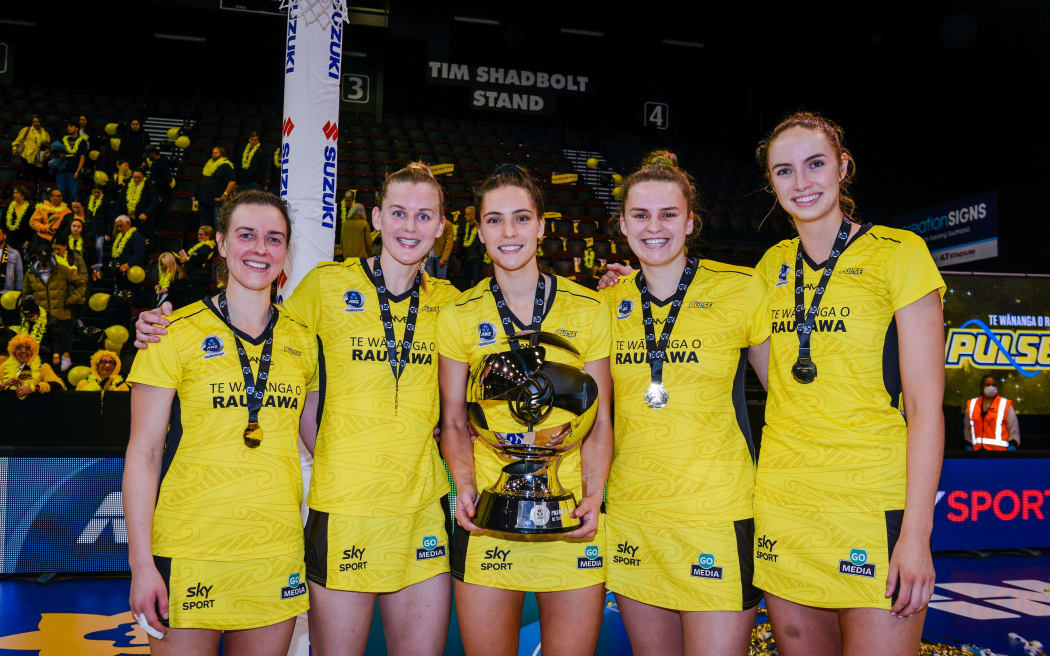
(73, 424)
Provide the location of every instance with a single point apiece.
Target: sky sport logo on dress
(201, 596)
(705, 568)
(858, 564)
(355, 301)
(496, 559)
(212, 347)
(487, 333)
(625, 309)
(357, 556)
(328, 167)
(296, 587)
(765, 549)
(431, 549)
(590, 558)
(627, 554)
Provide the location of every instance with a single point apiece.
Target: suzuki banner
(960, 231)
(312, 72)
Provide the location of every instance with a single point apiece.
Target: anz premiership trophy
(527, 497)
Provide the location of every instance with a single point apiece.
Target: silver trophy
(527, 497)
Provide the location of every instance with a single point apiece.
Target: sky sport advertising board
(961, 231)
(998, 325)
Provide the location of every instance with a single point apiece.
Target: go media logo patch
(705, 568)
(858, 564)
(590, 559)
(296, 587)
(431, 549)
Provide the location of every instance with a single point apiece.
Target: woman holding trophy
(524, 364)
(680, 516)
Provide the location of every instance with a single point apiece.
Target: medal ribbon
(397, 363)
(804, 328)
(254, 390)
(504, 310)
(656, 351)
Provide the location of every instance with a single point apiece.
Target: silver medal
(656, 396)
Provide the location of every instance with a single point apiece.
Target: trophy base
(498, 512)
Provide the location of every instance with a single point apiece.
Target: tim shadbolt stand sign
(310, 130)
(509, 89)
(960, 231)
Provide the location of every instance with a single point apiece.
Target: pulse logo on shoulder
(705, 568)
(625, 309)
(590, 559)
(356, 555)
(201, 596)
(486, 333)
(212, 347)
(431, 549)
(296, 587)
(782, 275)
(858, 564)
(355, 301)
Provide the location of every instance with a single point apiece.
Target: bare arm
(149, 423)
(920, 331)
(1013, 427)
(308, 421)
(758, 356)
(595, 453)
(967, 432)
(456, 445)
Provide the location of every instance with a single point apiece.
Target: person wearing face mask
(989, 420)
(105, 374)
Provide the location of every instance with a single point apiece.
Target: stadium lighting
(17, 23)
(683, 44)
(571, 30)
(479, 21)
(179, 37)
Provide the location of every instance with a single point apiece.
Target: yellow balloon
(113, 346)
(117, 334)
(93, 155)
(111, 128)
(183, 142)
(136, 274)
(98, 301)
(617, 179)
(617, 192)
(77, 374)
(114, 143)
(9, 300)
(173, 134)
(592, 162)
(101, 178)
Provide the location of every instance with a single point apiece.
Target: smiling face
(23, 352)
(656, 221)
(410, 218)
(106, 365)
(805, 172)
(254, 245)
(55, 197)
(509, 227)
(138, 177)
(202, 236)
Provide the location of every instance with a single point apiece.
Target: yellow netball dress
(227, 533)
(831, 479)
(378, 508)
(679, 527)
(469, 329)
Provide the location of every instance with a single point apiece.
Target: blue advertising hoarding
(960, 231)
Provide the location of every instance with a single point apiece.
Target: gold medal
(252, 435)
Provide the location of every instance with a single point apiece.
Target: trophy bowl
(528, 497)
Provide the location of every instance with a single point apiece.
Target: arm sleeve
(911, 272)
(1012, 426)
(47, 375)
(601, 334)
(450, 344)
(76, 288)
(313, 373)
(304, 305)
(757, 312)
(16, 259)
(159, 365)
(21, 137)
(38, 221)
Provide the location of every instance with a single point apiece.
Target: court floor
(978, 601)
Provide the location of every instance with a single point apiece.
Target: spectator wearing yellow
(16, 218)
(55, 288)
(23, 372)
(71, 162)
(251, 173)
(218, 180)
(129, 247)
(140, 201)
(49, 218)
(197, 260)
(356, 236)
(31, 145)
(105, 374)
(437, 263)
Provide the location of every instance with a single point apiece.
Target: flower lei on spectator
(213, 164)
(164, 281)
(94, 204)
(248, 155)
(11, 367)
(134, 195)
(120, 177)
(342, 211)
(277, 157)
(76, 244)
(208, 242)
(120, 242)
(14, 217)
(36, 331)
(49, 208)
(72, 149)
(470, 235)
(588, 258)
(64, 261)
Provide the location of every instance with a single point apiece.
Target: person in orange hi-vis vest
(990, 422)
